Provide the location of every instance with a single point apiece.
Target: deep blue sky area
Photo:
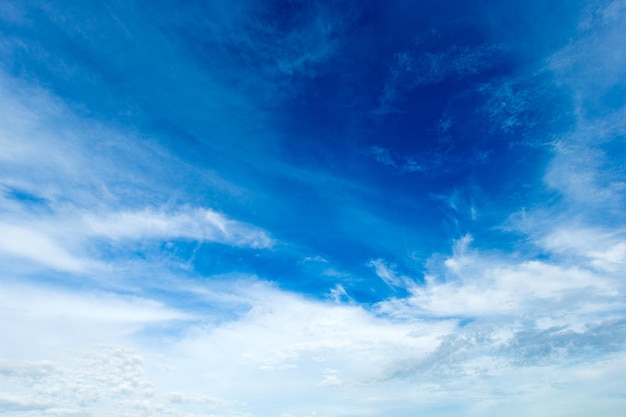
(350, 124)
(243, 207)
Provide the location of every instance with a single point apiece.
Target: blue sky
(299, 208)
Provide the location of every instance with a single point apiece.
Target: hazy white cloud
(190, 223)
(39, 303)
(182, 397)
(58, 242)
(389, 275)
(603, 249)
(69, 162)
(585, 174)
(40, 320)
(37, 247)
(28, 369)
(9, 403)
(593, 67)
(593, 62)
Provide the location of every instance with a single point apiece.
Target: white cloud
(182, 397)
(29, 369)
(604, 249)
(281, 352)
(37, 247)
(55, 304)
(101, 380)
(478, 285)
(582, 172)
(592, 67)
(281, 348)
(593, 61)
(14, 403)
(389, 275)
(59, 242)
(285, 345)
(191, 223)
(39, 319)
(281, 361)
(339, 294)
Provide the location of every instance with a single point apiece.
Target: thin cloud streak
(191, 223)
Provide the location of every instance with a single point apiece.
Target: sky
(312, 208)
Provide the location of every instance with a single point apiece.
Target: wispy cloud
(413, 69)
(84, 196)
(389, 275)
(187, 223)
(401, 164)
(57, 242)
(40, 248)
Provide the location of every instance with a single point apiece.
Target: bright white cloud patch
(474, 285)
